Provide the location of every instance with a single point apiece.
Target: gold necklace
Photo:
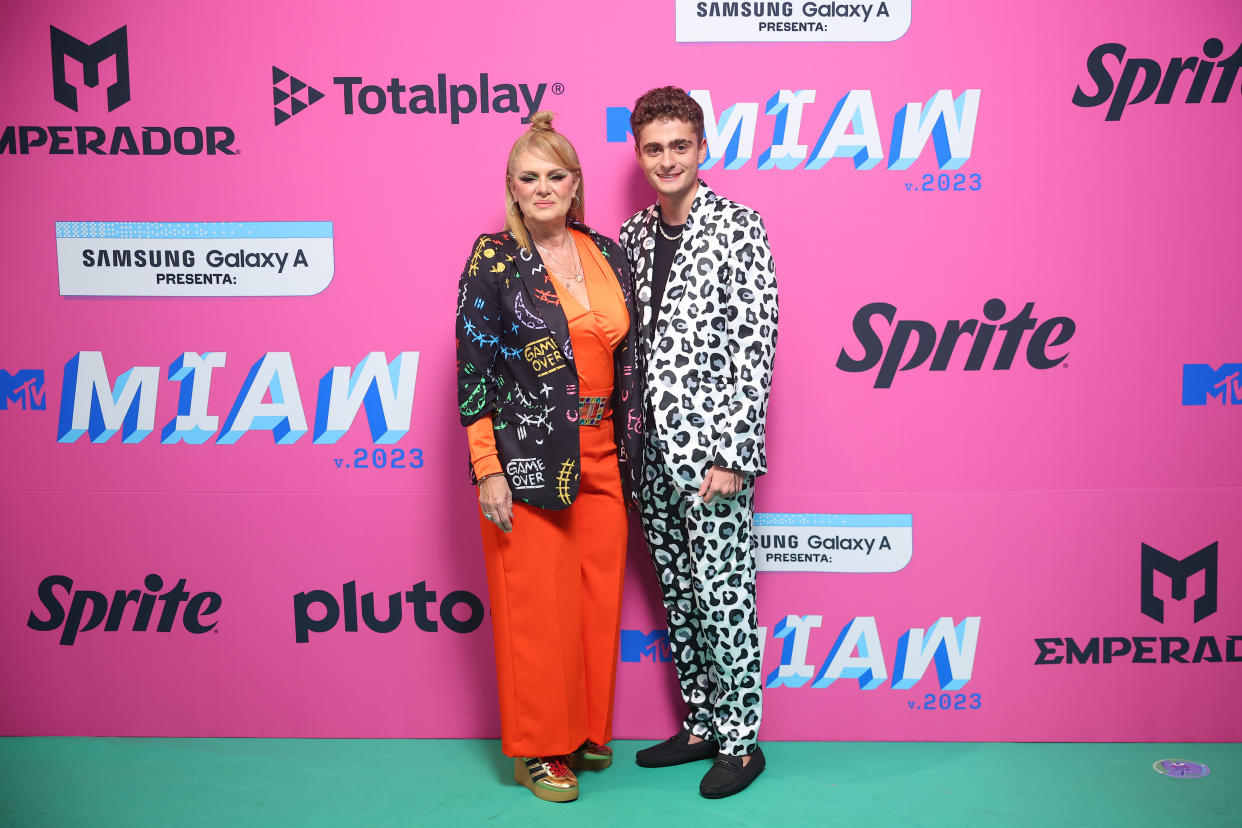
(576, 270)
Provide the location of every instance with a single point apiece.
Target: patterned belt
(591, 410)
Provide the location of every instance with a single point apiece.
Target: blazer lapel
(694, 243)
(643, 268)
(541, 293)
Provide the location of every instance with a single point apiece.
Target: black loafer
(729, 776)
(676, 751)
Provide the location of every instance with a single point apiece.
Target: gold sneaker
(591, 757)
(548, 777)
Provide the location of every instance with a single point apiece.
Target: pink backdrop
(1031, 490)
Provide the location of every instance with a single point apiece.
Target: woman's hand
(496, 501)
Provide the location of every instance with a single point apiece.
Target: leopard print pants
(705, 561)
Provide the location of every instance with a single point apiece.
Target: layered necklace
(574, 267)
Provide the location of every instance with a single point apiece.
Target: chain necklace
(575, 270)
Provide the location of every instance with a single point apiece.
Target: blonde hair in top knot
(542, 121)
(544, 141)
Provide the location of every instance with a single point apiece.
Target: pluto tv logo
(318, 610)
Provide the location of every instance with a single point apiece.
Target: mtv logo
(637, 645)
(90, 56)
(1205, 561)
(1199, 382)
(617, 124)
(25, 388)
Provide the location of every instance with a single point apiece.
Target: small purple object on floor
(1181, 768)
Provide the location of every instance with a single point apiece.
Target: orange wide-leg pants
(555, 587)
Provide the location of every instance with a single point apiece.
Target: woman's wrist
(480, 480)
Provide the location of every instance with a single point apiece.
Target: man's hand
(720, 482)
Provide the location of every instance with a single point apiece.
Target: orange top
(594, 334)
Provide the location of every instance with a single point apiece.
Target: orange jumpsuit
(555, 580)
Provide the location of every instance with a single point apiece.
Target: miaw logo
(296, 95)
(1200, 381)
(24, 389)
(851, 131)
(92, 404)
(115, 45)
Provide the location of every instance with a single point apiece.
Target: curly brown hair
(666, 103)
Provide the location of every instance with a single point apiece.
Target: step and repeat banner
(1006, 424)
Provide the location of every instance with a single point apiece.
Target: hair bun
(541, 121)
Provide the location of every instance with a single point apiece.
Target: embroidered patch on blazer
(543, 356)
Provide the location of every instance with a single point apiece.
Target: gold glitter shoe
(548, 777)
(591, 757)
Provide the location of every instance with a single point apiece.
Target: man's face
(670, 155)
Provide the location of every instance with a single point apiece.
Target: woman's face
(543, 190)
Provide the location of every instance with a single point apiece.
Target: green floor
(177, 782)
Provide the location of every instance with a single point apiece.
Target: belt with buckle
(591, 410)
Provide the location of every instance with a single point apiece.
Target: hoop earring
(577, 199)
(514, 208)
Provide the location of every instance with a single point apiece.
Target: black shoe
(676, 751)
(729, 776)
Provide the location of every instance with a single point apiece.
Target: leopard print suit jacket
(706, 363)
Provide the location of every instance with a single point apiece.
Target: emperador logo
(111, 49)
(1177, 572)
(115, 45)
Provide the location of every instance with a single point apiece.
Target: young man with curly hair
(706, 295)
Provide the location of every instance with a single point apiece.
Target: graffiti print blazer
(707, 364)
(515, 364)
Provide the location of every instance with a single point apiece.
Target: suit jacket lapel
(643, 267)
(693, 246)
(543, 299)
